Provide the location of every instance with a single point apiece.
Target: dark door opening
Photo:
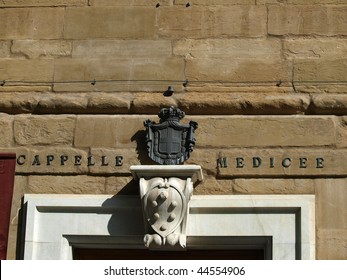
(141, 254)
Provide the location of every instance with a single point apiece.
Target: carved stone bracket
(165, 194)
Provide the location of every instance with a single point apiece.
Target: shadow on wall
(123, 220)
(141, 148)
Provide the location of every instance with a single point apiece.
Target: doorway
(140, 254)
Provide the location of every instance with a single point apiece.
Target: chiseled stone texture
(121, 48)
(151, 3)
(273, 186)
(41, 48)
(211, 186)
(322, 70)
(342, 132)
(238, 70)
(331, 218)
(54, 3)
(22, 70)
(301, 2)
(122, 185)
(44, 130)
(231, 131)
(307, 20)
(212, 22)
(229, 48)
(110, 22)
(214, 2)
(243, 103)
(319, 48)
(5, 49)
(331, 244)
(66, 185)
(31, 23)
(107, 131)
(119, 69)
(6, 132)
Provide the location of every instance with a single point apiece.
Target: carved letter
(104, 161)
(319, 162)
(119, 160)
(303, 162)
(78, 160)
(50, 158)
(91, 161)
(36, 160)
(240, 162)
(286, 162)
(256, 162)
(63, 158)
(222, 162)
(272, 162)
(21, 160)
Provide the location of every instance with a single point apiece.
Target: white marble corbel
(165, 193)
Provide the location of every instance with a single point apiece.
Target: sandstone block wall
(263, 78)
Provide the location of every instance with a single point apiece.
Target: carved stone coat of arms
(170, 142)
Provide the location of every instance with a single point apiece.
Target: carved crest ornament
(165, 190)
(170, 142)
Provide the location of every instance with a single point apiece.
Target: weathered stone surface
(213, 22)
(107, 131)
(66, 185)
(212, 186)
(331, 244)
(229, 48)
(331, 201)
(214, 2)
(6, 132)
(257, 131)
(331, 218)
(109, 103)
(300, 2)
(44, 130)
(320, 48)
(9, 87)
(40, 3)
(51, 103)
(151, 3)
(5, 49)
(119, 70)
(273, 186)
(151, 103)
(41, 48)
(122, 185)
(308, 163)
(121, 48)
(31, 23)
(314, 88)
(329, 104)
(341, 129)
(14, 103)
(243, 103)
(318, 71)
(307, 20)
(21, 71)
(241, 71)
(100, 22)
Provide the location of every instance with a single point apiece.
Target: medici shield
(170, 142)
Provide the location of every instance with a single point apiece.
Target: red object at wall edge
(7, 171)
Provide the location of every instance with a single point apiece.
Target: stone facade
(263, 78)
